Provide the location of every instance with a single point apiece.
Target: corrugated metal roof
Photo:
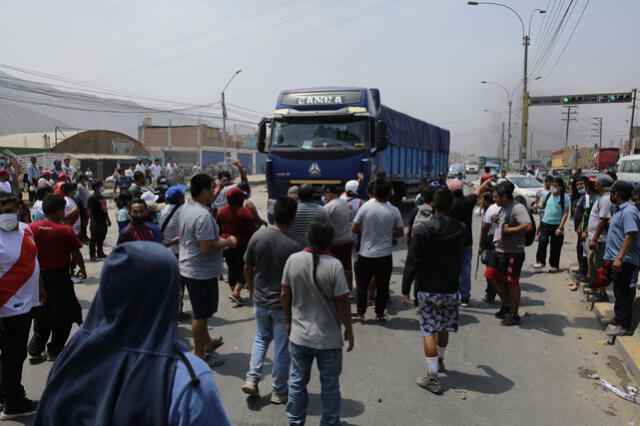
(103, 156)
(26, 140)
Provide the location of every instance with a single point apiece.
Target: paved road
(534, 374)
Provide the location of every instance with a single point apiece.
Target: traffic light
(615, 98)
(565, 100)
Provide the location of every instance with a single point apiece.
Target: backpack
(531, 235)
(561, 199)
(423, 215)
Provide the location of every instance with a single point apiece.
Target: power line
(567, 43)
(555, 37)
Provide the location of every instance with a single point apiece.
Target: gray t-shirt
(314, 318)
(172, 229)
(197, 224)
(338, 212)
(601, 210)
(378, 221)
(511, 243)
(267, 252)
(307, 212)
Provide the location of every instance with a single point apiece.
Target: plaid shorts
(438, 312)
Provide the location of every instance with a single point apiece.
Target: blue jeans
(465, 272)
(270, 324)
(330, 366)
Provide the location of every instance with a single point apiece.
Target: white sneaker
(552, 269)
(538, 265)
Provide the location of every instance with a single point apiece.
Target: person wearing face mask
(622, 256)
(137, 230)
(556, 211)
(19, 281)
(57, 246)
(99, 221)
(580, 207)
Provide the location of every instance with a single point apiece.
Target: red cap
(63, 176)
(46, 173)
(3, 172)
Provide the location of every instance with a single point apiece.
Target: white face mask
(8, 221)
(553, 189)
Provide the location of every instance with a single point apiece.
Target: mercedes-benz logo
(315, 170)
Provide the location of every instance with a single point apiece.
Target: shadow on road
(349, 407)
(399, 323)
(555, 324)
(491, 382)
(236, 364)
(532, 288)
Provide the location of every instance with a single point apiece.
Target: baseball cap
(56, 161)
(454, 185)
(149, 196)
(46, 173)
(3, 172)
(175, 194)
(604, 180)
(63, 176)
(492, 172)
(352, 187)
(623, 188)
(636, 187)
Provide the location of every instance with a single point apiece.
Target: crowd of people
(301, 275)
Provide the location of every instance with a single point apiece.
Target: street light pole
(224, 114)
(525, 95)
(509, 125)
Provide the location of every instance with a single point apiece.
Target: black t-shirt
(98, 206)
(463, 211)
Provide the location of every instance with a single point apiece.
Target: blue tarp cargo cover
(404, 130)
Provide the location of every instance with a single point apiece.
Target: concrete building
(204, 144)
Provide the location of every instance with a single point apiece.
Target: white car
(525, 190)
(472, 168)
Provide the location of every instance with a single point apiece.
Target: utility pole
(633, 113)
(509, 138)
(522, 155)
(531, 147)
(597, 123)
(224, 114)
(501, 150)
(567, 116)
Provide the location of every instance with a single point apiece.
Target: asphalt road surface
(535, 374)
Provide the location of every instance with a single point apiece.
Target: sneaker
(51, 357)
(553, 269)
(598, 297)
(358, 318)
(184, 316)
(26, 407)
(101, 255)
(94, 259)
(236, 299)
(538, 265)
(488, 299)
(250, 389)
(382, 318)
(574, 286)
(279, 399)
(432, 384)
(77, 280)
(619, 331)
(213, 359)
(608, 321)
(503, 312)
(511, 319)
(216, 342)
(464, 302)
(37, 359)
(441, 368)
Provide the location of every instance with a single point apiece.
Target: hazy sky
(426, 56)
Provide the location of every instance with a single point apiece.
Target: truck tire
(399, 191)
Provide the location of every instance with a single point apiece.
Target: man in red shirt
(238, 221)
(138, 230)
(57, 245)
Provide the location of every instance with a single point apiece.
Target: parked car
(472, 168)
(525, 190)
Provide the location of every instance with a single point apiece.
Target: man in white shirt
(5, 186)
(378, 223)
(156, 170)
(69, 170)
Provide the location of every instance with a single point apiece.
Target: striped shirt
(307, 212)
(19, 272)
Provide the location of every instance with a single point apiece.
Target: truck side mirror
(381, 139)
(262, 135)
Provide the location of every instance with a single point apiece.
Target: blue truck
(328, 135)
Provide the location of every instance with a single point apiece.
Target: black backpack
(530, 236)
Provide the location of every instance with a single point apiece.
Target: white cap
(352, 186)
(149, 196)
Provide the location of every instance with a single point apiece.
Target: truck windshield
(334, 133)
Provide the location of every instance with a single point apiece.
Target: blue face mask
(582, 191)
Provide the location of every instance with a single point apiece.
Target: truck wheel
(399, 191)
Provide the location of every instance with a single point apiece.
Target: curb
(627, 346)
